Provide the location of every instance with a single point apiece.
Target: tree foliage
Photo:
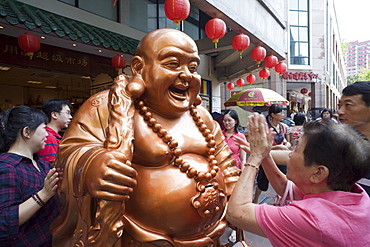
(364, 75)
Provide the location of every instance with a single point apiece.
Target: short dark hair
(54, 105)
(361, 87)
(14, 120)
(234, 115)
(326, 110)
(299, 118)
(339, 147)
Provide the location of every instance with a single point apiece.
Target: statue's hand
(110, 176)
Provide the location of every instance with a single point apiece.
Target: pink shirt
(334, 218)
(234, 148)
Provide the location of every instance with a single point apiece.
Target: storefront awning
(17, 13)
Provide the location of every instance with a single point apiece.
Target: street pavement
(255, 240)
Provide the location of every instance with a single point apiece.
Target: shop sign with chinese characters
(300, 75)
(54, 58)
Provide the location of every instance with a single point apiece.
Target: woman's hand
(50, 185)
(260, 136)
(243, 144)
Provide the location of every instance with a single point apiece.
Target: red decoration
(29, 43)
(251, 78)
(240, 42)
(281, 68)
(177, 10)
(304, 90)
(118, 61)
(240, 82)
(258, 54)
(264, 73)
(271, 61)
(309, 94)
(230, 86)
(215, 30)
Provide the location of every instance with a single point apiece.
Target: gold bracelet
(252, 165)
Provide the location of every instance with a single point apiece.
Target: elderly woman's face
(297, 171)
(170, 74)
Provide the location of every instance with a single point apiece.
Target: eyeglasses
(66, 112)
(228, 121)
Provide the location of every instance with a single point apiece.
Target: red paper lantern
(29, 43)
(240, 42)
(230, 86)
(271, 61)
(118, 61)
(309, 94)
(215, 30)
(177, 10)
(304, 90)
(251, 78)
(258, 54)
(240, 82)
(264, 73)
(281, 68)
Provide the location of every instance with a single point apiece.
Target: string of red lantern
(29, 43)
(271, 61)
(304, 90)
(118, 61)
(264, 73)
(230, 86)
(240, 82)
(258, 54)
(240, 42)
(250, 79)
(281, 68)
(215, 30)
(177, 10)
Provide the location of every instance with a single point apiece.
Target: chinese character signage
(300, 75)
(54, 58)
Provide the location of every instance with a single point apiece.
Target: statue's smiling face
(170, 73)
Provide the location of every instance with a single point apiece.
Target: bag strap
(291, 197)
(288, 189)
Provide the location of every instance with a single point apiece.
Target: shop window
(101, 8)
(299, 32)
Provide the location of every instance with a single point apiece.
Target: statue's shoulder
(96, 103)
(98, 99)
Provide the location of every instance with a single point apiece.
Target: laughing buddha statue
(143, 164)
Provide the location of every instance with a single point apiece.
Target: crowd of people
(143, 164)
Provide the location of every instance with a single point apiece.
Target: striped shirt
(51, 147)
(19, 180)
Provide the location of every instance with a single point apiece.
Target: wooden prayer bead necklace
(166, 137)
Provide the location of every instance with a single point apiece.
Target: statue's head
(167, 61)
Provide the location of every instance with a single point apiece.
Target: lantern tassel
(240, 57)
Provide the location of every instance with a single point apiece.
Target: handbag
(282, 201)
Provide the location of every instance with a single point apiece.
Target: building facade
(303, 33)
(316, 74)
(357, 56)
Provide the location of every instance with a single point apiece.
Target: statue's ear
(136, 87)
(137, 64)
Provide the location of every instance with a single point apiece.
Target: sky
(353, 19)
